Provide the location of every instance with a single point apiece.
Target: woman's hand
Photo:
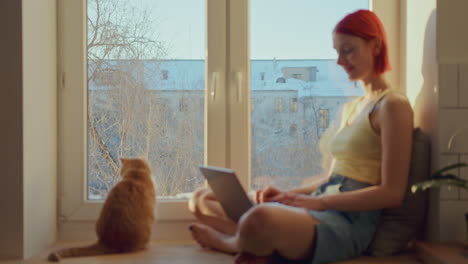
(267, 194)
(300, 200)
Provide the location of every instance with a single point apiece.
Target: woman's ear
(376, 46)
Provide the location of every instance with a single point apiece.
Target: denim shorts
(341, 235)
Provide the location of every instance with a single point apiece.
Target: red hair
(366, 25)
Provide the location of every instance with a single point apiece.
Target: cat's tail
(92, 250)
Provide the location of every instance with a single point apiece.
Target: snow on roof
(331, 80)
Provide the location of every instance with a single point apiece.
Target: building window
(281, 80)
(297, 76)
(162, 104)
(293, 105)
(108, 77)
(293, 130)
(306, 74)
(324, 118)
(262, 76)
(279, 105)
(278, 129)
(183, 105)
(165, 74)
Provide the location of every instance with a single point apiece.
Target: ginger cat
(127, 216)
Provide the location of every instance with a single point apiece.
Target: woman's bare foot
(221, 224)
(208, 237)
(247, 258)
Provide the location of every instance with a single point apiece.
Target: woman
(371, 157)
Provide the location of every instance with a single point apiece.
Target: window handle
(239, 80)
(214, 85)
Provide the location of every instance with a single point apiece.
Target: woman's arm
(396, 128)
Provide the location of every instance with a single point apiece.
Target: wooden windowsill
(442, 253)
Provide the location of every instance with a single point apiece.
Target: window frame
(72, 140)
(227, 74)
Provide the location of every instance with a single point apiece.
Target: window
(129, 120)
(165, 74)
(278, 105)
(281, 80)
(183, 105)
(324, 119)
(293, 130)
(312, 74)
(293, 105)
(294, 58)
(306, 74)
(106, 77)
(117, 104)
(278, 129)
(104, 116)
(296, 76)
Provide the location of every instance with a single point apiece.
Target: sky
(281, 29)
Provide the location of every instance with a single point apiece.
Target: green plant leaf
(447, 168)
(444, 176)
(436, 183)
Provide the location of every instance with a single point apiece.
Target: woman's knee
(275, 227)
(256, 220)
(255, 230)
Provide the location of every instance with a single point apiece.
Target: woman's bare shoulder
(397, 105)
(396, 100)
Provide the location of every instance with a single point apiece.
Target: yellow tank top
(356, 147)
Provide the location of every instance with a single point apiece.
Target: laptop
(228, 191)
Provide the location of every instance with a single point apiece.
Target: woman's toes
(206, 236)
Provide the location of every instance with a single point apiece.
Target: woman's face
(355, 55)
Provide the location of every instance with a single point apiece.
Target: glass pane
(296, 86)
(146, 91)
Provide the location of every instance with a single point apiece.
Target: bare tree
(290, 144)
(284, 141)
(129, 113)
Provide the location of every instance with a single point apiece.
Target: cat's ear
(123, 160)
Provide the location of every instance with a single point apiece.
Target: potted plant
(443, 178)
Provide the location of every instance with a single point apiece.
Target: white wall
(391, 20)
(28, 134)
(438, 89)
(419, 78)
(452, 57)
(39, 124)
(435, 74)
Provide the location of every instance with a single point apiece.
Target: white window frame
(227, 106)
